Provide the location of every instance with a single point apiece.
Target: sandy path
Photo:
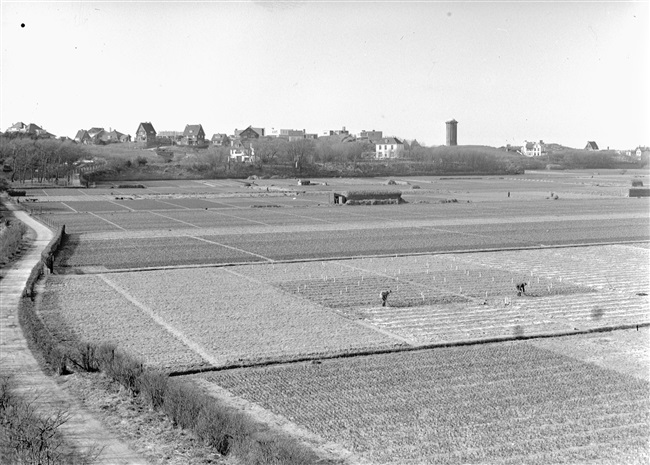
(16, 359)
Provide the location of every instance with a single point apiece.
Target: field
(280, 292)
(294, 310)
(480, 404)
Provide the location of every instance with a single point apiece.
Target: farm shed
(345, 196)
(640, 192)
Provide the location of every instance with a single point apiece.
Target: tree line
(43, 160)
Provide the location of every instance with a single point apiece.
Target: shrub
(84, 357)
(141, 161)
(637, 183)
(125, 370)
(16, 193)
(31, 438)
(152, 386)
(11, 238)
(40, 339)
(183, 404)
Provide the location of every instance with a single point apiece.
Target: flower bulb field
(268, 296)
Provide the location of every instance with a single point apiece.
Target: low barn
(366, 197)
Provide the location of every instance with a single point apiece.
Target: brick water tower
(452, 132)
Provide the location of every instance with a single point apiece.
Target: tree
(299, 152)
(269, 150)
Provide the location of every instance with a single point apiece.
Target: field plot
(47, 207)
(209, 316)
(342, 243)
(95, 206)
(80, 223)
(146, 204)
(82, 254)
(472, 296)
(194, 203)
(86, 308)
(508, 403)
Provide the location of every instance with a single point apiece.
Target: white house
(533, 149)
(389, 147)
(242, 152)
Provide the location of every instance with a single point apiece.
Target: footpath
(82, 429)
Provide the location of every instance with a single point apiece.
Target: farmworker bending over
(384, 297)
(521, 288)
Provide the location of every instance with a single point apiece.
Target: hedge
(46, 261)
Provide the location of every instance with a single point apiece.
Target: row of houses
(100, 136)
(241, 141)
(538, 149)
(30, 129)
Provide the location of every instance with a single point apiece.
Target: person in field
(521, 289)
(384, 297)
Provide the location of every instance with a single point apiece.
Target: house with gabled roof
(145, 134)
(35, 130)
(193, 135)
(533, 149)
(389, 147)
(249, 133)
(242, 151)
(82, 137)
(220, 140)
(92, 132)
(17, 127)
(591, 146)
(114, 136)
(30, 129)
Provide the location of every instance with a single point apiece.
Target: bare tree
(269, 150)
(299, 152)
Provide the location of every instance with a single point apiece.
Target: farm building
(365, 197)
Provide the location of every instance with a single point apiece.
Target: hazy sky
(565, 72)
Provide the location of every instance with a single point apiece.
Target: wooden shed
(365, 195)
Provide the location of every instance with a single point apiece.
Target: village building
(82, 137)
(591, 146)
(249, 133)
(220, 140)
(30, 129)
(370, 136)
(193, 135)
(533, 149)
(242, 151)
(389, 147)
(145, 134)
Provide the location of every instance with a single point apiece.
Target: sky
(566, 72)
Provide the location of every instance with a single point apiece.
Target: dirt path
(16, 359)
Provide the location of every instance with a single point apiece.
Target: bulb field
(480, 404)
(268, 297)
(254, 313)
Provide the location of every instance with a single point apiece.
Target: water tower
(452, 132)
